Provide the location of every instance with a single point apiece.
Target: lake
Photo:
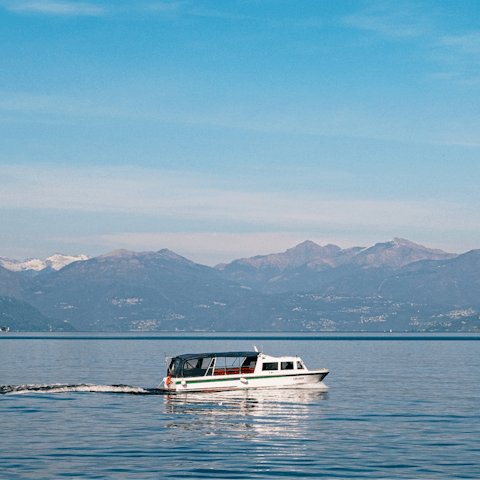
(86, 406)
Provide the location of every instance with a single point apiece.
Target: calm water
(88, 408)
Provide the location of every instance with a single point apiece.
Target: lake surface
(86, 406)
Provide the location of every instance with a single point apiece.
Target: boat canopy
(222, 354)
(222, 363)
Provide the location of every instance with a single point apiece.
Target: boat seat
(248, 369)
(233, 371)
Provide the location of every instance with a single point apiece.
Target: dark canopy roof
(222, 354)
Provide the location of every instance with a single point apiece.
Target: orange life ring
(169, 379)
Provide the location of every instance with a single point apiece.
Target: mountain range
(308, 265)
(34, 266)
(396, 285)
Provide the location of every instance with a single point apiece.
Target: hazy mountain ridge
(453, 281)
(303, 253)
(394, 285)
(10, 283)
(128, 290)
(19, 316)
(308, 265)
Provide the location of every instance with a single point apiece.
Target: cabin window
(228, 365)
(205, 362)
(249, 362)
(300, 365)
(248, 365)
(287, 365)
(270, 366)
(196, 367)
(174, 367)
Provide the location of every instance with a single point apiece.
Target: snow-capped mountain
(55, 262)
(16, 266)
(58, 261)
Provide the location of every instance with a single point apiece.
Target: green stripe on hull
(238, 378)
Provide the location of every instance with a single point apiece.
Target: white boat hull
(247, 381)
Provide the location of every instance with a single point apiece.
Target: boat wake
(81, 387)
(128, 390)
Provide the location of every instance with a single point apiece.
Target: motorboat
(237, 371)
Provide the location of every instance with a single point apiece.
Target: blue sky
(227, 129)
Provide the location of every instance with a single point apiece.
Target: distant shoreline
(380, 336)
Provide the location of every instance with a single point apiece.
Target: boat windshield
(249, 362)
(174, 367)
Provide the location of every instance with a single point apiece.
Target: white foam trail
(125, 389)
(65, 388)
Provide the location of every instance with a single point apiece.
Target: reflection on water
(246, 414)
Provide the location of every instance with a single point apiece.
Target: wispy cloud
(460, 56)
(212, 13)
(58, 8)
(225, 12)
(352, 121)
(469, 43)
(190, 196)
(49, 105)
(333, 122)
(186, 202)
(73, 8)
(163, 7)
(456, 56)
(389, 19)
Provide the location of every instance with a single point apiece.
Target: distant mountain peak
(397, 252)
(121, 252)
(166, 253)
(403, 242)
(304, 245)
(59, 260)
(302, 253)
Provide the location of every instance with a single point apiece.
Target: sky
(223, 130)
